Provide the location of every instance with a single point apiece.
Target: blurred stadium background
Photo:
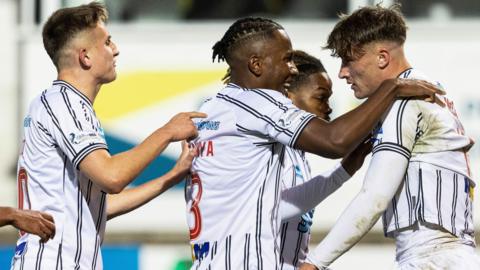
(165, 67)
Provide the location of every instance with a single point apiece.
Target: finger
(440, 102)
(196, 115)
(50, 228)
(185, 148)
(47, 217)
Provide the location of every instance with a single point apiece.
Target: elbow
(112, 184)
(339, 147)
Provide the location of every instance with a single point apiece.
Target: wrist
(9, 214)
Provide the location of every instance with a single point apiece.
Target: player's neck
(82, 83)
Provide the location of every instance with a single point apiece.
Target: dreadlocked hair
(306, 66)
(240, 31)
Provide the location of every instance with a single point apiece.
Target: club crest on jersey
(377, 135)
(82, 137)
(287, 119)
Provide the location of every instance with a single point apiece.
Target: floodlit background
(165, 67)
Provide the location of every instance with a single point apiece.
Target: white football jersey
(234, 193)
(438, 187)
(295, 234)
(60, 130)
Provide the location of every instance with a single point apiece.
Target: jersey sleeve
(271, 114)
(73, 125)
(397, 132)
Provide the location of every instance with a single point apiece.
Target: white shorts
(463, 258)
(433, 249)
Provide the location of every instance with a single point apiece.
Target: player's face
(278, 63)
(363, 74)
(313, 95)
(103, 54)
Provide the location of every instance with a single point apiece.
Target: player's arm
(356, 221)
(133, 198)
(34, 222)
(113, 173)
(391, 154)
(337, 138)
(301, 198)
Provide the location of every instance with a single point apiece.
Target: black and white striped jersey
(295, 233)
(234, 192)
(437, 187)
(60, 130)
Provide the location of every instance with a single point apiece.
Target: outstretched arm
(113, 173)
(131, 199)
(300, 199)
(356, 221)
(34, 222)
(337, 138)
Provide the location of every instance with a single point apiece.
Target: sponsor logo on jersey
(208, 125)
(82, 137)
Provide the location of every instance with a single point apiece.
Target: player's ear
(255, 65)
(84, 59)
(383, 58)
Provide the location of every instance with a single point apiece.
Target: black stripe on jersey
(283, 235)
(69, 107)
(439, 197)
(275, 102)
(232, 85)
(276, 201)
(89, 191)
(299, 130)
(22, 257)
(406, 73)
(392, 147)
(228, 250)
(297, 249)
(99, 222)
(421, 198)
(258, 224)
(255, 113)
(73, 89)
(408, 194)
(57, 124)
(467, 190)
(401, 110)
(454, 203)
(395, 212)
(44, 130)
(59, 258)
(246, 252)
(258, 134)
(38, 263)
(78, 252)
(85, 151)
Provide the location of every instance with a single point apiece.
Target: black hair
(241, 31)
(306, 65)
